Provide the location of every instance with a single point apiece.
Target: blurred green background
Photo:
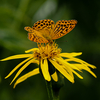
(16, 14)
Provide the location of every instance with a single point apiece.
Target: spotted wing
(35, 36)
(45, 27)
(63, 27)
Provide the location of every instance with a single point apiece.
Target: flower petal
(45, 70)
(85, 67)
(36, 61)
(81, 61)
(54, 76)
(63, 62)
(69, 71)
(73, 54)
(17, 57)
(31, 50)
(17, 67)
(24, 77)
(70, 65)
(21, 69)
(62, 70)
(77, 74)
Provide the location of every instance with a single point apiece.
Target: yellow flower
(65, 63)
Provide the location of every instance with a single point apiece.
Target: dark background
(85, 38)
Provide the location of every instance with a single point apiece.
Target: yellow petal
(54, 76)
(73, 54)
(68, 65)
(71, 70)
(17, 67)
(36, 61)
(68, 70)
(77, 74)
(63, 62)
(17, 57)
(81, 61)
(72, 66)
(24, 77)
(21, 69)
(92, 73)
(81, 66)
(45, 70)
(62, 70)
(85, 67)
(31, 50)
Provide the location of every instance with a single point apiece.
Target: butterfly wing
(29, 29)
(63, 27)
(35, 35)
(45, 27)
(37, 38)
(41, 31)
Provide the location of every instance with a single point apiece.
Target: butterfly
(46, 30)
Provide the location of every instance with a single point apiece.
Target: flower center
(47, 51)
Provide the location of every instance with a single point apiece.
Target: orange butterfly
(45, 31)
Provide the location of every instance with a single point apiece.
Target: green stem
(53, 88)
(53, 95)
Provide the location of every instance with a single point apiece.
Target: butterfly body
(45, 31)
